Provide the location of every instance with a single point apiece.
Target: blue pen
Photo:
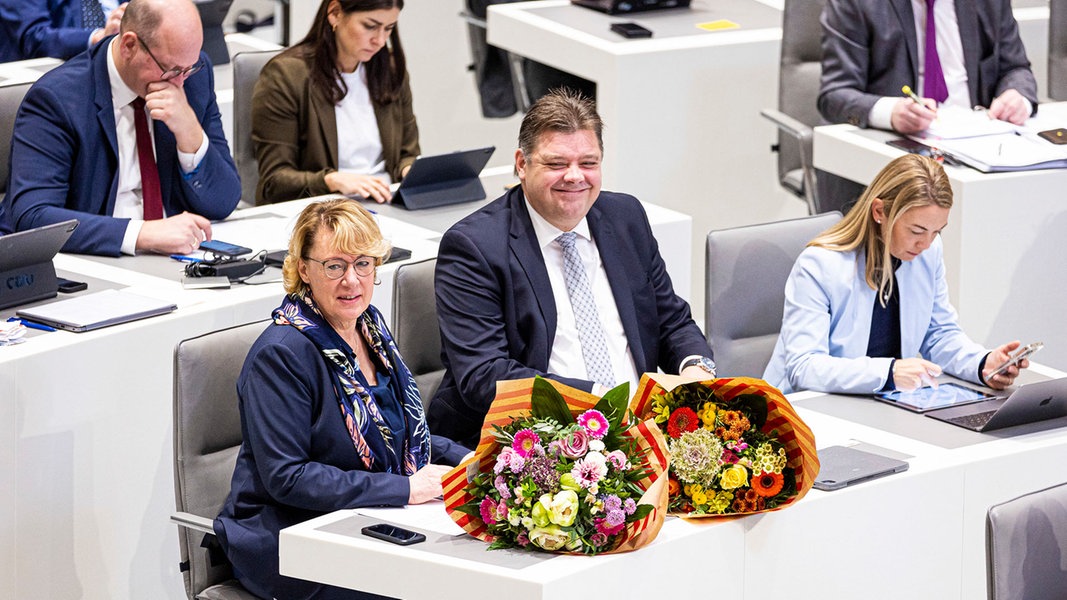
(183, 258)
(31, 324)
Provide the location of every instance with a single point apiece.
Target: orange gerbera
(768, 484)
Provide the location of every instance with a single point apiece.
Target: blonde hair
(907, 182)
(354, 232)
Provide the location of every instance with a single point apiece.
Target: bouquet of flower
(736, 445)
(560, 470)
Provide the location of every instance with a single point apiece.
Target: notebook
(444, 179)
(842, 466)
(96, 310)
(1027, 404)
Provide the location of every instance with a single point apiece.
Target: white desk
(1004, 254)
(916, 534)
(86, 445)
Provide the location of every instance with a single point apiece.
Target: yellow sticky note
(719, 25)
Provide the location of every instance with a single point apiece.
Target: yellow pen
(910, 94)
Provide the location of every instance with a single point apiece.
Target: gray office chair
(1025, 543)
(800, 68)
(1057, 49)
(746, 271)
(207, 437)
(10, 98)
(246, 68)
(415, 327)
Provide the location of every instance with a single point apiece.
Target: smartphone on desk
(394, 534)
(224, 248)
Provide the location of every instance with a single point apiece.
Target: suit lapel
(620, 266)
(904, 13)
(524, 247)
(105, 115)
(967, 17)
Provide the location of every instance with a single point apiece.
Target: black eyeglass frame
(173, 72)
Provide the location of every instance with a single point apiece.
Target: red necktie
(146, 157)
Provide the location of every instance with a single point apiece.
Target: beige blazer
(294, 132)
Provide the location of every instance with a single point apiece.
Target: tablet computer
(932, 398)
(842, 466)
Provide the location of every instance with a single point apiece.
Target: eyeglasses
(335, 268)
(173, 72)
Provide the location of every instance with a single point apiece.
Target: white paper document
(430, 516)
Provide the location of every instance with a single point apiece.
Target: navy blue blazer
(870, 50)
(64, 156)
(498, 316)
(296, 461)
(34, 28)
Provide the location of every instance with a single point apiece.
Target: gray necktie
(590, 331)
(92, 15)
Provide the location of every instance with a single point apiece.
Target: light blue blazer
(826, 324)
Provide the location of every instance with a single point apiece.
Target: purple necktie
(933, 78)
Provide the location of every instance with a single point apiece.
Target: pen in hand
(914, 98)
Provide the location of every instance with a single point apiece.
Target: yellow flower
(707, 415)
(733, 477)
(661, 411)
(720, 502)
(699, 498)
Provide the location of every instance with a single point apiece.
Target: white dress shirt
(566, 357)
(128, 201)
(359, 143)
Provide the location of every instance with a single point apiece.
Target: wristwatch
(703, 362)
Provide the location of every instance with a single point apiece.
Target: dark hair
(141, 18)
(385, 70)
(560, 110)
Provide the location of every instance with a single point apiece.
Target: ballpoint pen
(910, 94)
(31, 324)
(184, 258)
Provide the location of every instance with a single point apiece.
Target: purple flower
(612, 502)
(516, 462)
(575, 445)
(598, 539)
(629, 506)
(729, 458)
(594, 422)
(603, 527)
(524, 443)
(501, 486)
(615, 518)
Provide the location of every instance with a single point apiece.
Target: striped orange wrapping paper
(793, 432)
(513, 400)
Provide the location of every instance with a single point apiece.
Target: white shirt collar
(547, 233)
(121, 94)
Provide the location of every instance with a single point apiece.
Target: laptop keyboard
(975, 421)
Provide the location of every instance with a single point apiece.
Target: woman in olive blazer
(294, 123)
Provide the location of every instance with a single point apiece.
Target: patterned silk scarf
(370, 434)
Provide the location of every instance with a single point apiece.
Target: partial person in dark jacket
(55, 28)
(331, 417)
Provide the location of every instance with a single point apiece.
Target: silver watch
(703, 362)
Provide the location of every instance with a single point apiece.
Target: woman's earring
(377, 280)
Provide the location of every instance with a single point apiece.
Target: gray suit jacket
(870, 50)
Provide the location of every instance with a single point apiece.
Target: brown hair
(354, 232)
(560, 110)
(385, 70)
(907, 182)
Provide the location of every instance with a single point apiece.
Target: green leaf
(469, 509)
(641, 512)
(547, 403)
(613, 404)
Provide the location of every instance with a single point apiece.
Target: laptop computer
(443, 179)
(1029, 403)
(96, 310)
(26, 262)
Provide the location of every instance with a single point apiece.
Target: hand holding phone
(394, 534)
(1016, 357)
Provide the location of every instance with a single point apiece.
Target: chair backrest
(207, 437)
(246, 68)
(1026, 539)
(10, 99)
(415, 327)
(799, 70)
(1057, 49)
(746, 271)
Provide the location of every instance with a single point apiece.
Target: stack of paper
(12, 332)
(989, 145)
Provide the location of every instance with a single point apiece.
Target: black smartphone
(631, 30)
(394, 534)
(910, 145)
(399, 254)
(223, 248)
(69, 286)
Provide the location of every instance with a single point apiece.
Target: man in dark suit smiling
(555, 278)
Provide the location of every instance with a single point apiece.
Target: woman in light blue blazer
(866, 305)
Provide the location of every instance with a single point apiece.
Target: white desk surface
(915, 534)
(1003, 245)
(86, 444)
